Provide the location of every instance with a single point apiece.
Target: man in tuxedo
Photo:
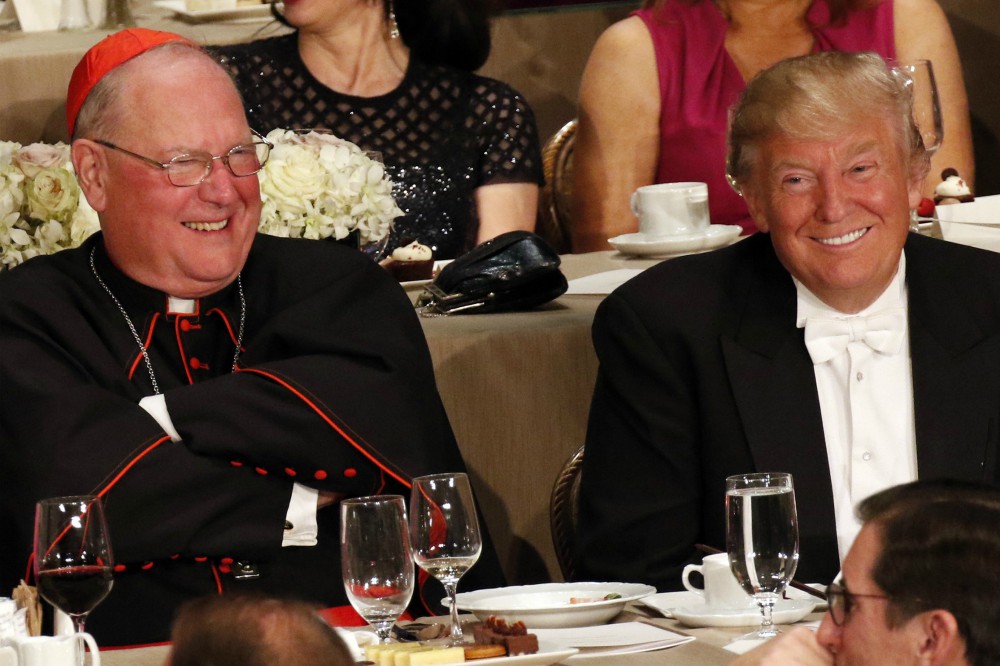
(919, 585)
(835, 345)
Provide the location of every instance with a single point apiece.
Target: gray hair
(819, 97)
(101, 113)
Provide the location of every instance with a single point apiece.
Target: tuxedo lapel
(774, 388)
(955, 371)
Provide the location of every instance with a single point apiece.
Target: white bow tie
(883, 332)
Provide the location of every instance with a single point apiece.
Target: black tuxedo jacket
(703, 374)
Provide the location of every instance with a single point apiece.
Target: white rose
(52, 194)
(291, 177)
(36, 157)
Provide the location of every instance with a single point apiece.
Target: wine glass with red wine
(73, 560)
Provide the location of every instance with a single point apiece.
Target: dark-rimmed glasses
(192, 169)
(841, 602)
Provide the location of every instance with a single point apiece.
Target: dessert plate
(547, 654)
(246, 12)
(553, 605)
(642, 245)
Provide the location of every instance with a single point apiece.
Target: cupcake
(952, 189)
(411, 262)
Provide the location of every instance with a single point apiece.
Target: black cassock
(334, 389)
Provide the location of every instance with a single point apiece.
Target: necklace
(135, 333)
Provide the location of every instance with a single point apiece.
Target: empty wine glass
(762, 539)
(918, 77)
(73, 562)
(444, 533)
(375, 559)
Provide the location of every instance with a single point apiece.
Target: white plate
(261, 11)
(548, 605)
(642, 245)
(548, 653)
(690, 609)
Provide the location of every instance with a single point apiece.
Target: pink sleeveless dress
(699, 82)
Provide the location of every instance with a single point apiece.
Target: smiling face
(837, 209)
(185, 241)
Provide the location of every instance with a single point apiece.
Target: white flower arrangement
(41, 208)
(316, 185)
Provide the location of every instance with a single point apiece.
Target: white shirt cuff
(156, 406)
(302, 517)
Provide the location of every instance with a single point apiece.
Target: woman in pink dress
(657, 87)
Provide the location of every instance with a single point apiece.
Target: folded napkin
(741, 645)
(974, 235)
(984, 210)
(602, 284)
(612, 639)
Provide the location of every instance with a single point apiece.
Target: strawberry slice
(925, 208)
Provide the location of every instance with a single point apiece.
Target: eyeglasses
(841, 602)
(193, 168)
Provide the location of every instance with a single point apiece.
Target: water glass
(762, 539)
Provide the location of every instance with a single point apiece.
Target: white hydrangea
(316, 185)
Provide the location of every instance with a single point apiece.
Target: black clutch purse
(514, 271)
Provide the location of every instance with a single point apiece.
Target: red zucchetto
(103, 57)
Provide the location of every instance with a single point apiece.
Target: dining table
(707, 649)
(517, 388)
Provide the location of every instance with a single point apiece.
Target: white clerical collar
(181, 305)
(894, 296)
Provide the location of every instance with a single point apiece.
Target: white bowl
(552, 605)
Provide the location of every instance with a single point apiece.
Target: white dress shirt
(866, 401)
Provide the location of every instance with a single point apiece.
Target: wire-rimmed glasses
(193, 168)
(841, 602)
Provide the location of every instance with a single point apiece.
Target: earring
(393, 26)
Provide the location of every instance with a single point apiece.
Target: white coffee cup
(671, 209)
(47, 650)
(721, 589)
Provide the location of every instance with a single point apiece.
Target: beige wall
(542, 54)
(976, 24)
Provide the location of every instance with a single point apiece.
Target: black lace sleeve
(511, 150)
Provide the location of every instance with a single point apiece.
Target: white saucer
(785, 611)
(717, 235)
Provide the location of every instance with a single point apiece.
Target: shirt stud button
(866, 456)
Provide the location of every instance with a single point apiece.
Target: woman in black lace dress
(461, 149)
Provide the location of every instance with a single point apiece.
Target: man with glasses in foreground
(218, 388)
(919, 585)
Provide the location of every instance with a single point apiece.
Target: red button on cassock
(350, 472)
(320, 474)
